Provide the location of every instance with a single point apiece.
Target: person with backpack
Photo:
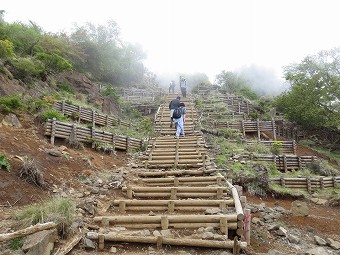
(179, 119)
(174, 104)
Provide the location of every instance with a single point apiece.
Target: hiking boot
(170, 124)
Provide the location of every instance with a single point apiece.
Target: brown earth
(66, 171)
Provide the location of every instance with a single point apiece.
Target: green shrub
(10, 104)
(4, 163)
(110, 91)
(27, 69)
(35, 105)
(59, 210)
(53, 114)
(16, 243)
(65, 86)
(6, 49)
(54, 63)
(276, 147)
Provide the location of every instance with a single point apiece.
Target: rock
(332, 243)
(317, 251)
(282, 231)
(319, 201)
(213, 211)
(208, 235)
(156, 233)
(55, 153)
(88, 243)
(299, 208)
(293, 239)
(274, 252)
(11, 120)
(273, 227)
(113, 249)
(255, 220)
(41, 242)
(319, 240)
(166, 233)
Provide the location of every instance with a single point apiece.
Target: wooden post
(285, 163)
(63, 107)
(173, 193)
(127, 143)
(243, 200)
(258, 129)
(274, 129)
(309, 185)
(248, 221)
(129, 192)
(243, 129)
(322, 185)
(282, 181)
(105, 222)
(101, 241)
(164, 222)
(224, 226)
(53, 130)
(122, 206)
(171, 206)
(79, 116)
(93, 136)
(219, 192)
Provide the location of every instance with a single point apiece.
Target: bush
(27, 69)
(16, 243)
(31, 173)
(6, 49)
(10, 104)
(54, 63)
(65, 86)
(53, 114)
(35, 105)
(4, 163)
(59, 210)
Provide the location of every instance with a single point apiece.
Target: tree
(230, 81)
(313, 100)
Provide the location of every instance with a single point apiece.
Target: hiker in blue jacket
(180, 120)
(174, 104)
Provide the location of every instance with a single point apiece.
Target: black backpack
(177, 113)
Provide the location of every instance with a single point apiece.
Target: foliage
(247, 92)
(26, 69)
(59, 210)
(6, 49)
(110, 91)
(50, 114)
(16, 243)
(4, 163)
(73, 142)
(231, 82)
(321, 167)
(257, 148)
(54, 63)
(230, 133)
(314, 96)
(276, 147)
(65, 86)
(147, 127)
(35, 105)
(11, 104)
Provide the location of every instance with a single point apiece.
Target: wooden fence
(285, 147)
(284, 162)
(308, 183)
(134, 94)
(246, 126)
(58, 129)
(88, 115)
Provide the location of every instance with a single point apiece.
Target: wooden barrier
(246, 126)
(175, 192)
(158, 173)
(235, 245)
(183, 181)
(172, 205)
(58, 129)
(222, 222)
(308, 183)
(88, 115)
(285, 147)
(284, 162)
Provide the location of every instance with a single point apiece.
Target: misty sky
(205, 36)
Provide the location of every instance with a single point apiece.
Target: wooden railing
(58, 129)
(285, 147)
(309, 183)
(88, 115)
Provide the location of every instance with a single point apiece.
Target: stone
(88, 243)
(332, 243)
(41, 242)
(319, 240)
(113, 249)
(208, 235)
(319, 201)
(11, 120)
(212, 211)
(299, 208)
(166, 233)
(156, 233)
(317, 251)
(282, 231)
(293, 239)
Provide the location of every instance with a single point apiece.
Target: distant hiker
(172, 86)
(183, 86)
(179, 119)
(174, 104)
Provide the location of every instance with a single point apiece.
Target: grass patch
(16, 243)
(59, 210)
